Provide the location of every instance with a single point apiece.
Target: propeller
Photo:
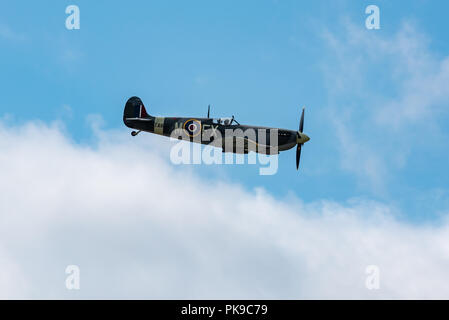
(208, 111)
(298, 155)
(301, 139)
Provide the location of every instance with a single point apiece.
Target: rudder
(134, 108)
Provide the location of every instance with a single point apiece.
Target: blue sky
(258, 60)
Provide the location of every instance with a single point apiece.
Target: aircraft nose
(305, 137)
(302, 138)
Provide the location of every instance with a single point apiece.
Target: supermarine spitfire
(225, 133)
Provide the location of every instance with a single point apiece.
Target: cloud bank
(140, 228)
(388, 98)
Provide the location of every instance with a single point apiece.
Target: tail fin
(134, 108)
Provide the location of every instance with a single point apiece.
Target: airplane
(225, 133)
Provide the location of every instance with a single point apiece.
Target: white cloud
(139, 228)
(387, 93)
(12, 282)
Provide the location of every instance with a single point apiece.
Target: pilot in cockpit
(225, 121)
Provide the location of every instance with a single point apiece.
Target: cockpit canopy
(225, 121)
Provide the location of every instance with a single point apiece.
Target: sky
(77, 189)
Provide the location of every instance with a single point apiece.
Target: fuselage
(208, 131)
(225, 133)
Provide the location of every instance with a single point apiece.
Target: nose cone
(302, 138)
(305, 137)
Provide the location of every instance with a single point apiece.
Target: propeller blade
(301, 123)
(298, 155)
(208, 111)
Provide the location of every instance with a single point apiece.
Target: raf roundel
(192, 127)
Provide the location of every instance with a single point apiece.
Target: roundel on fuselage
(192, 127)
